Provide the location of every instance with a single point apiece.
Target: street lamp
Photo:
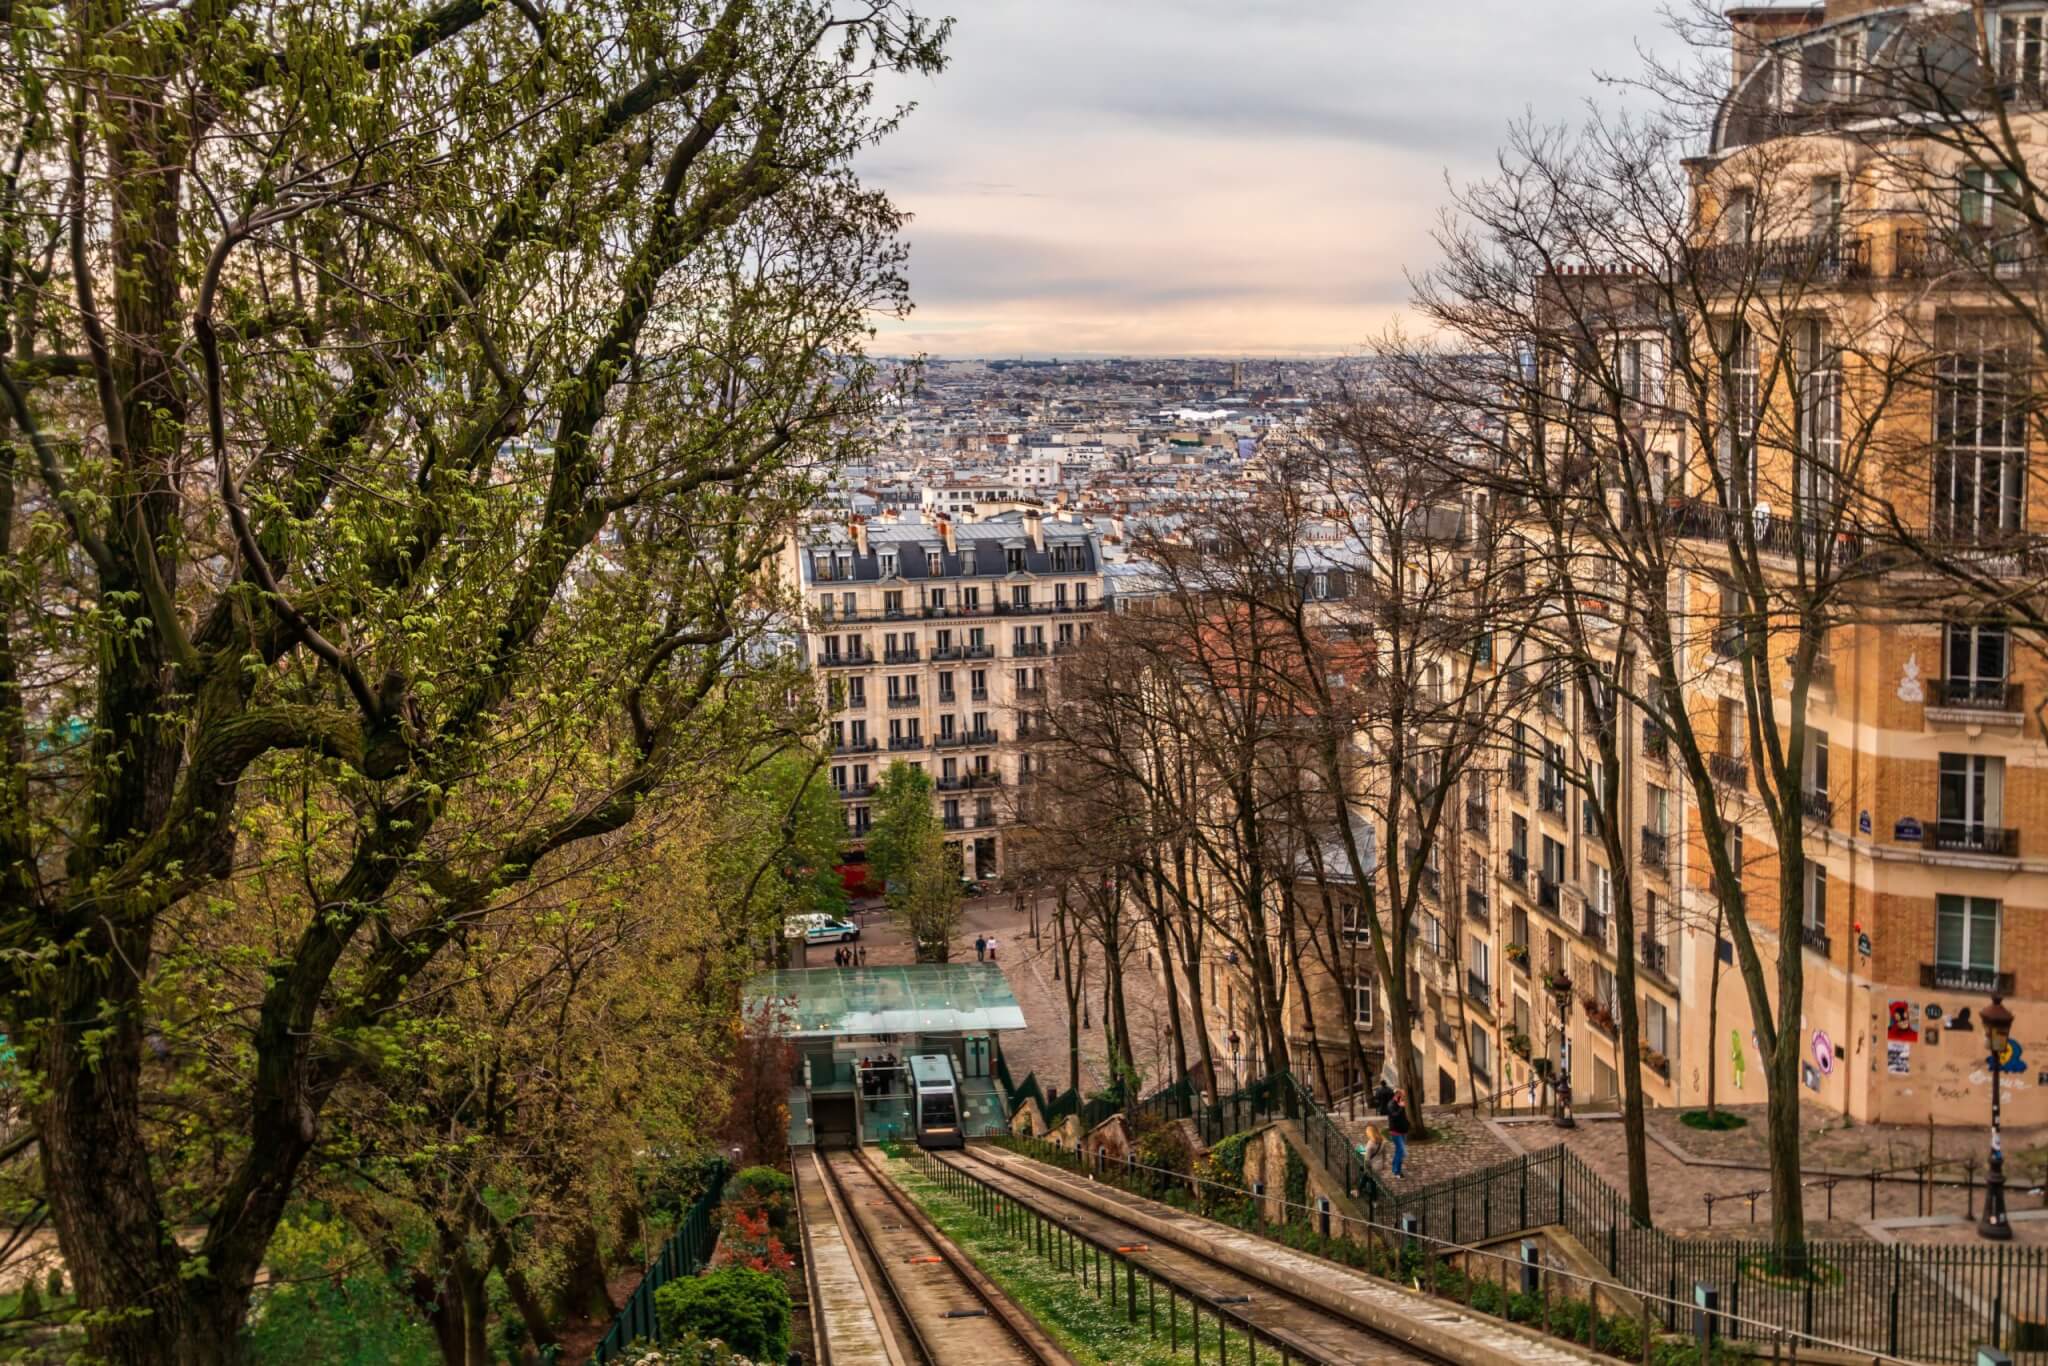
(1561, 989)
(1997, 1029)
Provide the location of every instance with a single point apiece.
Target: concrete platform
(843, 1317)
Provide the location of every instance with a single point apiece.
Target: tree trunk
(1714, 1015)
(531, 1310)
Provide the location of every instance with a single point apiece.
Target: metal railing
(1956, 977)
(1730, 770)
(1973, 694)
(1972, 837)
(1656, 849)
(684, 1254)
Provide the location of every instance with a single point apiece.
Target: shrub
(758, 1185)
(334, 1305)
(30, 1304)
(745, 1309)
(53, 1287)
(1716, 1122)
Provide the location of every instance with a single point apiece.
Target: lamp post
(1561, 991)
(1997, 1022)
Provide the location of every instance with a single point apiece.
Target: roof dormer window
(2022, 49)
(888, 564)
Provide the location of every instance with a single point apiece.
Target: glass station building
(839, 1018)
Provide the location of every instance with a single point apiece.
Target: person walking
(991, 948)
(1382, 1097)
(980, 948)
(1397, 1130)
(862, 957)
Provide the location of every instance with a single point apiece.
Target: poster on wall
(1898, 1059)
(1823, 1052)
(1901, 1028)
(1810, 1074)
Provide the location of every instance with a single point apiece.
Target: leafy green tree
(398, 406)
(747, 1310)
(781, 835)
(903, 822)
(929, 902)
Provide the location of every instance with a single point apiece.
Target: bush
(30, 1303)
(334, 1305)
(1717, 1122)
(53, 1287)
(745, 1309)
(758, 1185)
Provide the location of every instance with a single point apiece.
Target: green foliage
(53, 1285)
(1714, 1121)
(1164, 1146)
(335, 1306)
(747, 1310)
(29, 1303)
(755, 1185)
(1296, 1179)
(930, 898)
(904, 824)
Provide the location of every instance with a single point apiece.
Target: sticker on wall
(1909, 681)
(1863, 828)
(1961, 1020)
(1934, 1012)
(2012, 1058)
(1898, 1059)
(1823, 1052)
(1901, 1026)
(1863, 940)
(1930, 1036)
(1735, 1058)
(1810, 1074)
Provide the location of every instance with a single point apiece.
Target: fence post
(1892, 1311)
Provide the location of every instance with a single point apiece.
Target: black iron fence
(684, 1254)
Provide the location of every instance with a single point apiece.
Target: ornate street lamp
(1560, 985)
(1997, 1021)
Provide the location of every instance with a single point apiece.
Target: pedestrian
(1375, 1146)
(1382, 1097)
(980, 948)
(1397, 1129)
(991, 948)
(863, 955)
(839, 958)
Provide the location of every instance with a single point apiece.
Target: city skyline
(1123, 195)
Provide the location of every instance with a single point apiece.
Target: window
(892, 602)
(1735, 450)
(888, 564)
(1013, 559)
(1824, 204)
(2020, 51)
(1319, 586)
(1657, 810)
(1553, 859)
(846, 607)
(1736, 215)
(1357, 928)
(1979, 430)
(856, 692)
(1656, 1025)
(1361, 1002)
(1518, 837)
(1059, 559)
(1482, 1052)
(1059, 595)
(946, 720)
(1081, 596)
(1820, 398)
(934, 563)
(1522, 1016)
(970, 598)
(1638, 369)
(1965, 941)
(860, 732)
(1481, 960)
(1978, 656)
(839, 777)
(1020, 595)
(936, 599)
(1814, 915)
(1971, 798)
(1817, 762)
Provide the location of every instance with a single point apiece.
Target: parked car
(819, 928)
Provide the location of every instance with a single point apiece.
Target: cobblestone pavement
(1680, 1185)
(1458, 1142)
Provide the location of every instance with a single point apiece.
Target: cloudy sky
(1221, 177)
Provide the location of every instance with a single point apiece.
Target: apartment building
(934, 640)
(1928, 877)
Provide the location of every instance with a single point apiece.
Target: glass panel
(1983, 934)
(1948, 931)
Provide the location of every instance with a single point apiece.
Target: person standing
(991, 948)
(1397, 1130)
(1382, 1097)
(980, 948)
(862, 957)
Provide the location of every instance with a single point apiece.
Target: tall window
(1965, 941)
(1817, 762)
(1735, 452)
(1971, 798)
(1814, 915)
(1736, 215)
(2021, 43)
(1482, 1051)
(1824, 204)
(1656, 1025)
(934, 563)
(1820, 400)
(1980, 430)
(1978, 656)
(1361, 1003)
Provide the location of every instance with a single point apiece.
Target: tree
(385, 395)
(931, 897)
(904, 825)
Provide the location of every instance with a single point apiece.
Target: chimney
(1034, 527)
(946, 532)
(859, 527)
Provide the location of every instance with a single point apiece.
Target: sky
(1196, 177)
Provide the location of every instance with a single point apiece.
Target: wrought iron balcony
(1478, 990)
(1595, 926)
(1817, 805)
(1656, 744)
(1653, 953)
(907, 699)
(855, 791)
(1958, 977)
(1729, 770)
(857, 747)
(978, 652)
(1518, 870)
(952, 822)
(1815, 937)
(1974, 694)
(1475, 904)
(1656, 849)
(1547, 893)
(1518, 776)
(1974, 837)
(908, 656)
(1030, 649)
(1812, 257)
(1550, 798)
(899, 744)
(849, 660)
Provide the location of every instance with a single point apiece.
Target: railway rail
(936, 1305)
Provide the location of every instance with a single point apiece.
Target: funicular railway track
(939, 1308)
(1281, 1325)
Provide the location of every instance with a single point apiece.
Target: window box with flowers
(1656, 1062)
(1558, 984)
(1519, 1045)
(1518, 954)
(1600, 1015)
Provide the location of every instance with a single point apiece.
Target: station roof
(933, 998)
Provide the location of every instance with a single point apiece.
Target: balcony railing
(978, 652)
(1030, 649)
(907, 699)
(1813, 257)
(1595, 926)
(899, 744)
(1550, 798)
(1475, 817)
(1478, 990)
(908, 656)
(1654, 954)
(1729, 770)
(1518, 870)
(1547, 898)
(1656, 849)
(1706, 520)
(1974, 694)
(977, 695)
(942, 653)
(1656, 744)
(855, 791)
(983, 737)
(952, 822)
(1957, 977)
(1815, 937)
(1973, 837)
(857, 747)
(1518, 776)
(1818, 806)
(1729, 642)
(1925, 253)
(847, 661)
(1475, 904)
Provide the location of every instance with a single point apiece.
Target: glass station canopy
(924, 998)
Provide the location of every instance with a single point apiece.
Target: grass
(1720, 1121)
(1087, 1327)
